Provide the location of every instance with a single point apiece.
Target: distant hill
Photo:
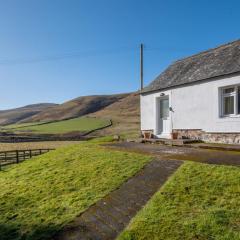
(75, 108)
(19, 114)
(125, 115)
(122, 109)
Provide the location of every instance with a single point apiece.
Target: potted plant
(174, 135)
(147, 135)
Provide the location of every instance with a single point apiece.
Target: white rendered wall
(195, 107)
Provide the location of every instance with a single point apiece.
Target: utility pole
(141, 67)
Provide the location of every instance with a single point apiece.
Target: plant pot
(147, 135)
(174, 135)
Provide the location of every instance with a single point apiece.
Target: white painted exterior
(195, 106)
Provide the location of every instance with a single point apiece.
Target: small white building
(197, 97)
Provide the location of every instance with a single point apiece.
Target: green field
(199, 202)
(34, 145)
(81, 124)
(20, 125)
(40, 195)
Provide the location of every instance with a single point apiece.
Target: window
(228, 90)
(230, 100)
(164, 108)
(228, 105)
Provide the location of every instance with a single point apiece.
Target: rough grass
(40, 195)
(81, 124)
(199, 202)
(125, 115)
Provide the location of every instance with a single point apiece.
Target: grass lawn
(200, 202)
(40, 195)
(82, 124)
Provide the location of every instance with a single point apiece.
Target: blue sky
(52, 51)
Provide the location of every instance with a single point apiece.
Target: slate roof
(215, 62)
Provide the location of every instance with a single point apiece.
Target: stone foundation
(230, 138)
(198, 134)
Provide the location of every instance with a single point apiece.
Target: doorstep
(172, 142)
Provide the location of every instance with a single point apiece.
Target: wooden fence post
(17, 156)
(10, 157)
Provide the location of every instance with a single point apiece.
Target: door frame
(157, 117)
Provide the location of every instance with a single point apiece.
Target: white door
(164, 121)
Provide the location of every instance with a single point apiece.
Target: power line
(168, 49)
(83, 54)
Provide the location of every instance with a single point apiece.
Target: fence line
(17, 156)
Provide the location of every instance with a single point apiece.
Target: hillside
(19, 114)
(125, 115)
(76, 108)
(122, 109)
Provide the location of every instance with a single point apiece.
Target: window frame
(234, 94)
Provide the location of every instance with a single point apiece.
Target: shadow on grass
(14, 232)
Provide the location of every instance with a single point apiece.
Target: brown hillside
(18, 114)
(125, 115)
(76, 108)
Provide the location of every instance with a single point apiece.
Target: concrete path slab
(209, 156)
(215, 146)
(109, 216)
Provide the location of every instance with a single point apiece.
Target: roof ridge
(207, 51)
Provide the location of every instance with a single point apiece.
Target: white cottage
(197, 97)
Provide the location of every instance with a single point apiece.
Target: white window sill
(230, 116)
